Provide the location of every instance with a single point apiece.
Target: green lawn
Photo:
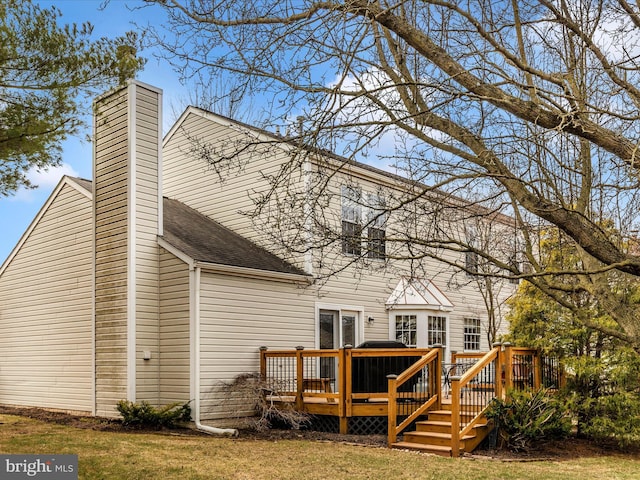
(122, 455)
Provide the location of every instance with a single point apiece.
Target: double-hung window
(363, 224)
(471, 263)
(376, 227)
(407, 330)
(471, 260)
(436, 330)
(351, 221)
(472, 334)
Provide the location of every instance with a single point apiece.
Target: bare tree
(524, 109)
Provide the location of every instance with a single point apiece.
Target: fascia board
(254, 273)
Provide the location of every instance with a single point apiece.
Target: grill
(369, 374)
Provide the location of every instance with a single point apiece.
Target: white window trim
(421, 324)
(359, 309)
(393, 331)
(365, 212)
(464, 343)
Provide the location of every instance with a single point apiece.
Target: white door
(337, 328)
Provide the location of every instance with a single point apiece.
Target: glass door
(329, 338)
(337, 328)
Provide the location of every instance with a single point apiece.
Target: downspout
(194, 274)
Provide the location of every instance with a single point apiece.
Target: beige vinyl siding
(111, 256)
(46, 311)
(174, 330)
(226, 196)
(371, 288)
(187, 178)
(126, 265)
(146, 246)
(372, 291)
(237, 316)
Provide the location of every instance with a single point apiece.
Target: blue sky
(118, 16)
(110, 18)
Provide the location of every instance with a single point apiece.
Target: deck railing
(302, 374)
(339, 381)
(403, 384)
(406, 405)
(471, 394)
(503, 368)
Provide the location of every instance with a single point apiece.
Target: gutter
(194, 301)
(253, 273)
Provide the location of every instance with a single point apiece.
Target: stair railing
(413, 392)
(471, 393)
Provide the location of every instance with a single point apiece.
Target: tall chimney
(127, 218)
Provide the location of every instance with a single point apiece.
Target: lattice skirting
(324, 423)
(368, 425)
(357, 425)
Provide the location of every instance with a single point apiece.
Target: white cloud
(44, 180)
(51, 176)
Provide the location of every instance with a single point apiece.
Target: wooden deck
(410, 387)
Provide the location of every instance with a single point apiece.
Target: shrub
(604, 395)
(614, 417)
(143, 414)
(528, 416)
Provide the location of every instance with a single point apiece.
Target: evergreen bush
(144, 415)
(614, 417)
(604, 396)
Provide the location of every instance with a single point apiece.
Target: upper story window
(471, 263)
(351, 221)
(513, 261)
(376, 219)
(363, 223)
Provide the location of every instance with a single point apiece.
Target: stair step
(439, 415)
(445, 415)
(444, 411)
(433, 438)
(433, 426)
(441, 426)
(443, 451)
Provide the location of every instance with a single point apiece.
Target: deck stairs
(433, 435)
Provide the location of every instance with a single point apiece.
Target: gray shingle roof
(205, 240)
(86, 184)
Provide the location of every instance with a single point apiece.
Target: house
(152, 283)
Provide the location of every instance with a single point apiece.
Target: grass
(131, 456)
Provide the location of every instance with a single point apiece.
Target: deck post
(500, 369)
(263, 363)
(508, 367)
(454, 355)
(455, 416)
(392, 409)
(537, 370)
(344, 381)
(437, 377)
(299, 378)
